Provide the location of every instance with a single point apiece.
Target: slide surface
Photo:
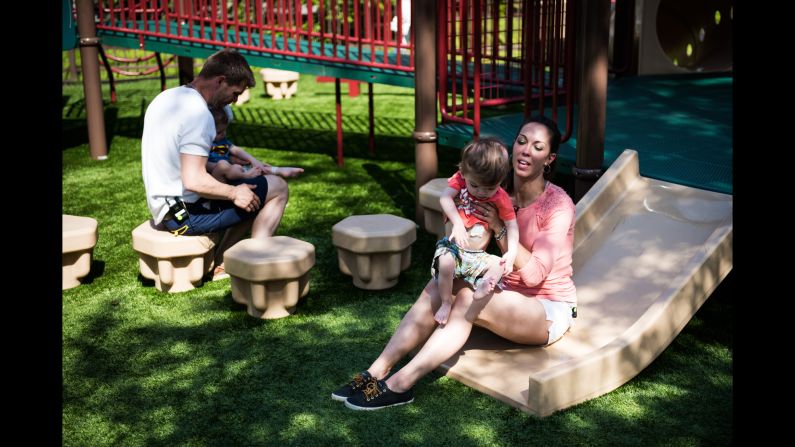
(647, 254)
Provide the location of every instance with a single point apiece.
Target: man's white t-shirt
(177, 121)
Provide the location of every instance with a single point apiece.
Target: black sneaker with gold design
(358, 382)
(376, 395)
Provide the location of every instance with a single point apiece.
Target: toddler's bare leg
(220, 171)
(446, 272)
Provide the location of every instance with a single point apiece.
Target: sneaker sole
(338, 398)
(356, 407)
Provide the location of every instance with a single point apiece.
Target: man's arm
(196, 179)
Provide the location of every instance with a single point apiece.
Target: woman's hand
(488, 213)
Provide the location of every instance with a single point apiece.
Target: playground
(145, 367)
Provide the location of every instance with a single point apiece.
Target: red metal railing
(358, 32)
(490, 52)
(493, 53)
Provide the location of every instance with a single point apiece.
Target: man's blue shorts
(210, 216)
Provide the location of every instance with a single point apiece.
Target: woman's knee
(465, 306)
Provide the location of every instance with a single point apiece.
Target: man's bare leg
(270, 215)
(264, 224)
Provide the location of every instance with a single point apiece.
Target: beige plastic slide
(647, 254)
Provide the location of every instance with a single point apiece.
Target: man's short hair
(230, 64)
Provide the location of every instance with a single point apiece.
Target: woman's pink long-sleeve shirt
(546, 229)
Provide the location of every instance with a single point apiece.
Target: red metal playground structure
(462, 56)
(486, 53)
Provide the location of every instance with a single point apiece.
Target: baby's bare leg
(221, 170)
(490, 279)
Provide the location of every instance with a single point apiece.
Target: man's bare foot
(485, 287)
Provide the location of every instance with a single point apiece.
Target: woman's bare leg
(413, 330)
(508, 314)
(443, 342)
(516, 317)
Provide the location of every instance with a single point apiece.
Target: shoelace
(359, 381)
(372, 390)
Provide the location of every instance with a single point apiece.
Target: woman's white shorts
(560, 314)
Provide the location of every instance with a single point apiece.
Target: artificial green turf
(145, 368)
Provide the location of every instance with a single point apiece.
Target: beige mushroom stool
(79, 239)
(432, 210)
(279, 83)
(269, 275)
(176, 263)
(374, 248)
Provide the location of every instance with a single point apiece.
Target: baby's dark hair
(485, 160)
(219, 115)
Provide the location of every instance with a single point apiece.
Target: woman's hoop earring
(547, 169)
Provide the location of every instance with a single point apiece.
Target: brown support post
(185, 68)
(592, 39)
(426, 164)
(89, 59)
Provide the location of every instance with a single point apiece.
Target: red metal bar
(465, 61)
(495, 33)
(478, 35)
(368, 29)
(345, 26)
(310, 25)
(299, 23)
(322, 19)
(441, 53)
(356, 30)
(387, 33)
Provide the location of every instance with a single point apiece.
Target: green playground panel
(680, 125)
